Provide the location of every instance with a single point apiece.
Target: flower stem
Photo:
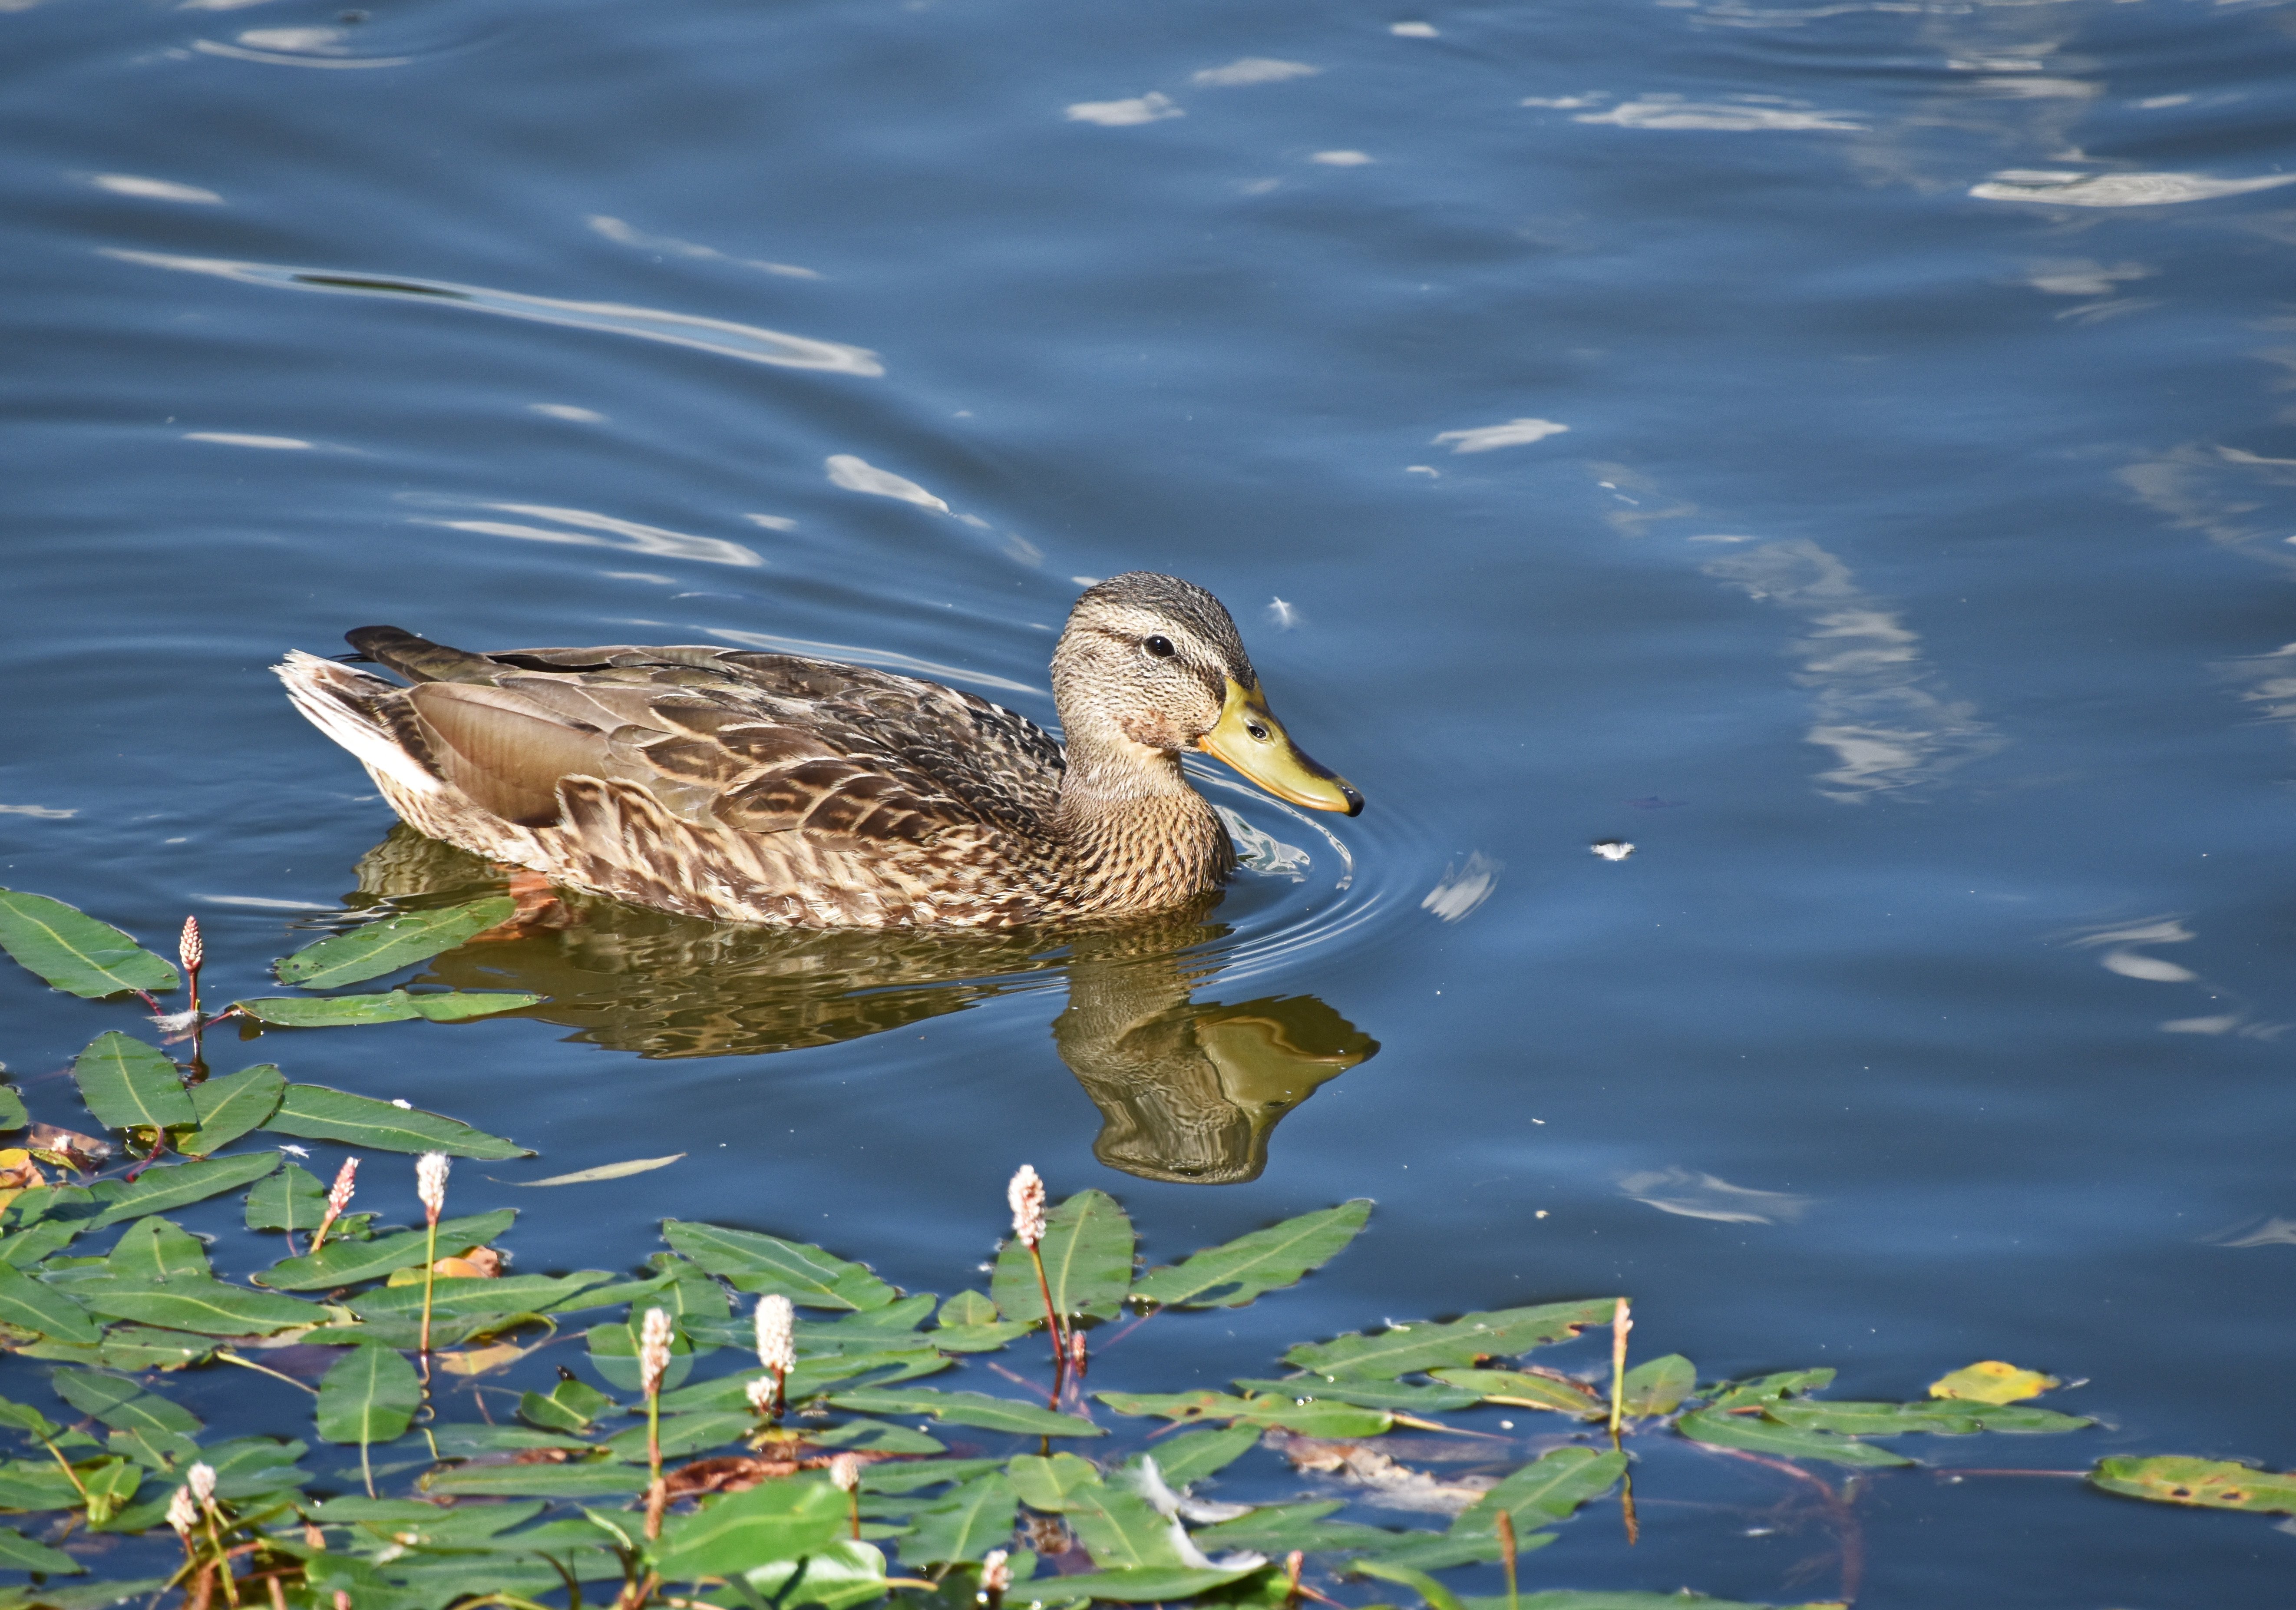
(429, 1275)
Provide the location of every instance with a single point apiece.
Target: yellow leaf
(479, 1361)
(1991, 1381)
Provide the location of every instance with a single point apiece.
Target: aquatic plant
(788, 1483)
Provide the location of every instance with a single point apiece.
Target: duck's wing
(761, 743)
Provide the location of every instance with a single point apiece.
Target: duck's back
(729, 784)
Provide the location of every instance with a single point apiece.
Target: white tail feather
(313, 683)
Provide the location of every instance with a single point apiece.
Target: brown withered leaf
(85, 1152)
(536, 1456)
(727, 1473)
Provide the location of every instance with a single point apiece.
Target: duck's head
(1151, 666)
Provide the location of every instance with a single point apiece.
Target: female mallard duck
(770, 788)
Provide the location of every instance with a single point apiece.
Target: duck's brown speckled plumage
(772, 788)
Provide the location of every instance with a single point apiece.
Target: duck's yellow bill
(1254, 742)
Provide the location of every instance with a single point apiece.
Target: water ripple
(750, 343)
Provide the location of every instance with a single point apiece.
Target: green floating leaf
(123, 1405)
(840, 1577)
(1401, 1349)
(908, 1475)
(1550, 1488)
(128, 1085)
(347, 1262)
(369, 1395)
(73, 952)
(36, 1306)
(1198, 1454)
(395, 942)
(153, 1249)
(1281, 1528)
(1945, 1417)
(572, 1406)
(967, 1409)
(1758, 1434)
(290, 1200)
(1438, 1596)
(806, 1274)
(505, 1294)
(1120, 1530)
(21, 1553)
(1763, 1390)
(1580, 1599)
(207, 1308)
(1365, 1394)
(1087, 1253)
(877, 1436)
(232, 1106)
(316, 1113)
(36, 1484)
(160, 1189)
(682, 1435)
(1265, 1260)
(614, 1354)
(1524, 1389)
(964, 1525)
(781, 1520)
(584, 1480)
(12, 1115)
(1311, 1418)
(349, 1011)
(138, 1348)
(1051, 1482)
(2210, 1483)
(1148, 1584)
(1658, 1387)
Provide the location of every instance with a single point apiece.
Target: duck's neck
(1139, 836)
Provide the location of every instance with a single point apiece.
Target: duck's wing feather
(758, 743)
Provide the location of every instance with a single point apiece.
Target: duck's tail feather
(418, 659)
(354, 710)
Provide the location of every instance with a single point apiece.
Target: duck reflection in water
(1188, 1091)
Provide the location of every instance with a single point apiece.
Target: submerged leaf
(316, 1113)
(1265, 1260)
(1991, 1381)
(2212, 1483)
(128, 1085)
(610, 1171)
(395, 942)
(1087, 1256)
(73, 952)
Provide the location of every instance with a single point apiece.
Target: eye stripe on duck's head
(1141, 605)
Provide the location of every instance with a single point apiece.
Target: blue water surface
(1843, 451)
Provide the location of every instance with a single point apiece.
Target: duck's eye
(1256, 730)
(1161, 646)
